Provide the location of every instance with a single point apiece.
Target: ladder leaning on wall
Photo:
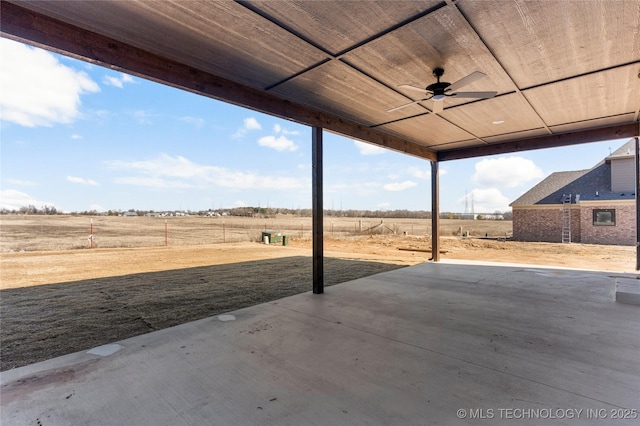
(566, 218)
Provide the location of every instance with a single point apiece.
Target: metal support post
(637, 203)
(435, 212)
(317, 195)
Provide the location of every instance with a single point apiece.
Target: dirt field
(20, 233)
(60, 301)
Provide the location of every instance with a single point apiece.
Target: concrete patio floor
(433, 344)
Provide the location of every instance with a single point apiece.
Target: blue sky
(81, 137)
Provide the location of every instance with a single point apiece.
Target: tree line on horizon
(262, 212)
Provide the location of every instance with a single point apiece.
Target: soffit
(559, 68)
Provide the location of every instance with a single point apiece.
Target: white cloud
(20, 182)
(399, 186)
(368, 149)
(248, 124)
(13, 200)
(102, 113)
(420, 173)
(143, 117)
(487, 200)
(240, 203)
(279, 129)
(97, 208)
(280, 143)
(195, 121)
(179, 172)
(508, 172)
(237, 179)
(76, 136)
(353, 187)
(154, 182)
(425, 172)
(117, 81)
(38, 90)
(252, 124)
(383, 205)
(82, 181)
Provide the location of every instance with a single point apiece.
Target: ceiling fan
(440, 90)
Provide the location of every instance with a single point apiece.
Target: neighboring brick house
(599, 201)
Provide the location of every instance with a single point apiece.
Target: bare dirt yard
(57, 301)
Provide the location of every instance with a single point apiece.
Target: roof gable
(628, 150)
(550, 189)
(591, 184)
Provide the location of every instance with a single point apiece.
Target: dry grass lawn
(60, 301)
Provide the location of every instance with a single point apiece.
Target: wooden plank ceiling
(565, 72)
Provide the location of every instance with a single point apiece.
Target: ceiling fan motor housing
(438, 90)
(439, 87)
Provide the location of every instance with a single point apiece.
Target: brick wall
(544, 224)
(623, 233)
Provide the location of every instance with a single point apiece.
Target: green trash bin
(271, 237)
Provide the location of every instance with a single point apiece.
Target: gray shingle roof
(592, 184)
(625, 151)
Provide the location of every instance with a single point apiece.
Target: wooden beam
(318, 210)
(552, 141)
(26, 26)
(435, 212)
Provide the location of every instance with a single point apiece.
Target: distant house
(594, 206)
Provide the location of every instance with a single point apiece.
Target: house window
(604, 217)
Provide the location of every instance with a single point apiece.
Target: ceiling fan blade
(438, 107)
(406, 105)
(474, 95)
(477, 75)
(414, 88)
